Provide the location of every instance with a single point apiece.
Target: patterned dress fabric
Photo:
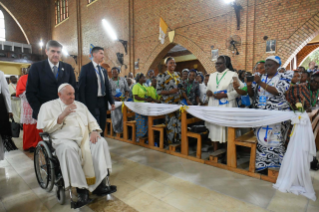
(116, 115)
(141, 121)
(270, 156)
(192, 91)
(166, 82)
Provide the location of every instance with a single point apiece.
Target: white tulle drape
(294, 175)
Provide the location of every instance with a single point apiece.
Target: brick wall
(13, 31)
(198, 24)
(32, 15)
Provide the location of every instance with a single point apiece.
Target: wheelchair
(48, 171)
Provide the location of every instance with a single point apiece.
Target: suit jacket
(88, 87)
(42, 86)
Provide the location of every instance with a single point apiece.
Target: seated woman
(221, 93)
(119, 90)
(167, 87)
(140, 94)
(152, 92)
(269, 92)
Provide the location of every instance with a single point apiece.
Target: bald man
(83, 155)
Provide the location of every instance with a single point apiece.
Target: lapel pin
(62, 69)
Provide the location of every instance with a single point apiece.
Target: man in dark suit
(94, 87)
(46, 76)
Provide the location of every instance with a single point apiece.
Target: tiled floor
(150, 181)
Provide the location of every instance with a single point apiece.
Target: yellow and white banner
(162, 31)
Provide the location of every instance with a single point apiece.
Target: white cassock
(216, 132)
(77, 161)
(15, 103)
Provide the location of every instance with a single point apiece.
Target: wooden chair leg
(161, 138)
(252, 161)
(151, 139)
(133, 133)
(199, 147)
(105, 130)
(111, 129)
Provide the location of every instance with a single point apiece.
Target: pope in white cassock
(83, 155)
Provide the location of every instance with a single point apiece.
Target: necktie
(55, 72)
(101, 80)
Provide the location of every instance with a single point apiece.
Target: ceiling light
(109, 29)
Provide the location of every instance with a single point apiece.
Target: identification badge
(118, 90)
(262, 101)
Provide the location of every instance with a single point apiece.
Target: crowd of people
(268, 87)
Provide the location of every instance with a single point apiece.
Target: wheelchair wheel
(60, 194)
(43, 166)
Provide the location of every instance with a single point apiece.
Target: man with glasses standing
(94, 87)
(46, 76)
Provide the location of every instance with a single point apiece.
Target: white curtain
(294, 175)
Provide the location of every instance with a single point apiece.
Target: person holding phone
(221, 93)
(169, 87)
(269, 92)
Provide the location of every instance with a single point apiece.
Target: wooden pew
(108, 122)
(126, 123)
(151, 130)
(187, 134)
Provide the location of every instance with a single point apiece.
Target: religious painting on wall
(214, 54)
(271, 46)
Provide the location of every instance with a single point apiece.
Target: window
(2, 27)
(90, 1)
(61, 10)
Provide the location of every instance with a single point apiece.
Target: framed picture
(214, 54)
(271, 46)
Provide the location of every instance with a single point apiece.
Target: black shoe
(83, 198)
(32, 149)
(314, 165)
(102, 190)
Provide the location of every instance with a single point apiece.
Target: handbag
(15, 129)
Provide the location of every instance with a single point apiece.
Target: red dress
(31, 136)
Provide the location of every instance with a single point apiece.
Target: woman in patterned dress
(270, 95)
(119, 88)
(167, 87)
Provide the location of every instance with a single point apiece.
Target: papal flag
(162, 30)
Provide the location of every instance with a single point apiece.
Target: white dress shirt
(99, 91)
(4, 89)
(51, 65)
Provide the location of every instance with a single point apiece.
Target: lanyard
(117, 83)
(189, 88)
(314, 102)
(269, 81)
(144, 89)
(218, 81)
(174, 77)
(15, 88)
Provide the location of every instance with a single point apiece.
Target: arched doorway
(183, 57)
(305, 55)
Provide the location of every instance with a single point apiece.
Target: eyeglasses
(218, 63)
